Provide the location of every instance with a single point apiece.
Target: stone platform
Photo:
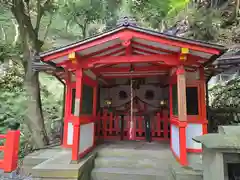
(109, 161)
(132, 160)
(55, 163)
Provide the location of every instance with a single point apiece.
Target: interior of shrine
(137, 101)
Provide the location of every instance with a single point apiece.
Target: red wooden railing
(108, 127)
(160, 127)
(10, 149)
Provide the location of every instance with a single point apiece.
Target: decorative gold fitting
(72, 57)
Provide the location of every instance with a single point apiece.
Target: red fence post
(165, 124)
(159, 128)
(11, 147)
(105, 118)
(111, 124)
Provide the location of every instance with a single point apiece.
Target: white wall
(70, 134)
(193, 130)
(175, 140)
(86, 136)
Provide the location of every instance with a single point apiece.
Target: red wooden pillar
(76, 124)
(203, 105)
(95, 92)
(182, 113)
(67, 108)
(170, 110)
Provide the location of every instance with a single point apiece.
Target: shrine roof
(143, 41)
(219, 50)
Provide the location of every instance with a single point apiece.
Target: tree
(81, 13)
(111, 13)
(154, 12)
(28, 15)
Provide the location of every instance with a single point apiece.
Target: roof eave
(220, 48)
(78, 43)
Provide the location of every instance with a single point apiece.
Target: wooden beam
(82, 46)
(103, 50)
(77, 121)
(114, 52)
(170, 59)
(144, 51)
(127, 69)
(181, 85)
(182, 113)
(134, 75)
(67, 112)
(150, 47)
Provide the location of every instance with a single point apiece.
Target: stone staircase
(132, 164)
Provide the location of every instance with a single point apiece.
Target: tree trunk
(33, 115)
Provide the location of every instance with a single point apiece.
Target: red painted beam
(127, 69)
(137, 75)
(144, 51)
(113, 52)
(191, 60)
(150, 47)
(65, 63)
(169, 59)
(82, 46)
(103, 50)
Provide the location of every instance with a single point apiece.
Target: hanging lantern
(108, 102)
(131, 69)
(162, 103)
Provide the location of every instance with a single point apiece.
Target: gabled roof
(144, 42)
(188, 42)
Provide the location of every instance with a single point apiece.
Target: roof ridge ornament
(126, 21)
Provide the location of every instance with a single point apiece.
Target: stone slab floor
(135, 160)
(113, 157)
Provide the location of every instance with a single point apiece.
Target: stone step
(128, 174)
(133, 153)
(185, 173)
(126, 162)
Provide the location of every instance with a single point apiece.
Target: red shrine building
(134, 84)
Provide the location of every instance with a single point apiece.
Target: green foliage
(154, 11)
(111, 13)
(201, 27)
(12, 95)
(225, 104)
(13, 102)
(227, 95)
(81, 13)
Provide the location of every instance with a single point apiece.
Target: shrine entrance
(132, 109)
